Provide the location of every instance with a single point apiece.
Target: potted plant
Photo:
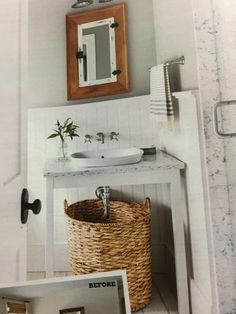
(64, 131)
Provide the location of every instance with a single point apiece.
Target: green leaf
(70, 125)
(57, 132)
(67, 129)
(66, 122)
(52, 135)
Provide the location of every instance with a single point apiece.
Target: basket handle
(65, 204)
(147, 203)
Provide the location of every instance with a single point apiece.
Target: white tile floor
(163, 301)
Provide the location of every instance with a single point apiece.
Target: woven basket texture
(120, 242)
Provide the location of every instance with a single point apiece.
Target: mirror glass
(96, 46)
(97, 52)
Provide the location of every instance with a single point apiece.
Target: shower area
(216, 53)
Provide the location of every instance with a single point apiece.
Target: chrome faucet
(100, 137)
(114, 136)
(103, 192)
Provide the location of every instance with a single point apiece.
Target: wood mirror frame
(74, 91)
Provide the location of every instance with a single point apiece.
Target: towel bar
(215, 117)
(180, 60)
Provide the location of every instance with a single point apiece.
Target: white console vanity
(164, 169)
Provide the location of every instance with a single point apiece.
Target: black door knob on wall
(26, 206)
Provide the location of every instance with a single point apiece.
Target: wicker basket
(121, 242)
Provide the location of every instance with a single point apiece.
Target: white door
(13, 66)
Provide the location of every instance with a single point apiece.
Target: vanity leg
(49, 238)
(177, 207)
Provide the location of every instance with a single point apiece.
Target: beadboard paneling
(130, 118)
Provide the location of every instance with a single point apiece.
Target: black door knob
(26, 206)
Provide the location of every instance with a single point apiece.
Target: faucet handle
(88, 138)
(100, 137)
(114, 136)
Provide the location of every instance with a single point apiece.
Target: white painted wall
(157, 31)
(99, 301)
(174, 37)
(47, 50)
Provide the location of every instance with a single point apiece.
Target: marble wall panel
(216, 51)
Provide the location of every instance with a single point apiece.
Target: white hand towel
(161, 106)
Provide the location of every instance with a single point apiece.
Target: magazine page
(117, 154)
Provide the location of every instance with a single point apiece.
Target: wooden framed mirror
(97, 58)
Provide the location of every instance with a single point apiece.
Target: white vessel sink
(112, 157)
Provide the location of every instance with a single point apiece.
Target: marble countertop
(161, 161)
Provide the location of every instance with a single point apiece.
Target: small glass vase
(63, 151)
